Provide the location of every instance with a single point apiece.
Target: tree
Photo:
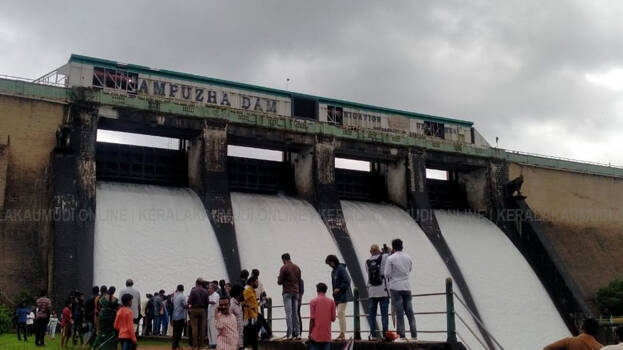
(610, 298)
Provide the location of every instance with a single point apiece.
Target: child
(124, 323)
(30, 321)
(66, 323)
(52, 325)
(21, 314)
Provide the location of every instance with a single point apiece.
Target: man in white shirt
(214, 300)
(619, 336)
(136, 301)
(397, 270)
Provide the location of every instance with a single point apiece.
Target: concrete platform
(300, 345)
(363, 345)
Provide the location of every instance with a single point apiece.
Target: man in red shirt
(124, 323)
(66, 324)
(321, 314)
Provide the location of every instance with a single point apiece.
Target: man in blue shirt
(180, 309)
(21, 314)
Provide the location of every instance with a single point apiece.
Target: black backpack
(375, 275)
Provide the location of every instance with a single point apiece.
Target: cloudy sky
(544, 76)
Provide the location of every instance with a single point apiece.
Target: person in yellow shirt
(251, 311)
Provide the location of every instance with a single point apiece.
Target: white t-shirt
(397, 271)
(31, 318)
(259, 290)
(214, 297)
(618, 346)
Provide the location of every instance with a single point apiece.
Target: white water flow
(512, 301)
(381, 223)
(158, 236)
(270, 225)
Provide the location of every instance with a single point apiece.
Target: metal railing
(521, 153)
(451, 315)
(54, 78)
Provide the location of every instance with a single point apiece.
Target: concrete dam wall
(583, 218)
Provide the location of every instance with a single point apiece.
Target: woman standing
(342, 293)
(66, 324)
(106, 335)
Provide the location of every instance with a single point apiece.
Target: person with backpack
(377, 291)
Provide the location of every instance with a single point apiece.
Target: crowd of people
(226, 315)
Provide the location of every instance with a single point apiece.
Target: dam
(166, 215)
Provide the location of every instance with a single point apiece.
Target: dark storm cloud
(518, 69)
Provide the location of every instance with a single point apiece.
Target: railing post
(356, 321)
(451, 325)
(269, 312)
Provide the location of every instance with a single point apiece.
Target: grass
(9, 342)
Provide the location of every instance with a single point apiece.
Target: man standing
(321, 315)
(89, 313)
(251, 311)
(397, 270)
(164, 320)
(226, 326)
(179, 315)
(289, 278)
(244, 276)
(136, 301)
(158, 312)
(377, 291)
(149, 315)
(197, 303)
(21, 315)
(342, 293)
(44, 305)
(213, 302)
(260, 293)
